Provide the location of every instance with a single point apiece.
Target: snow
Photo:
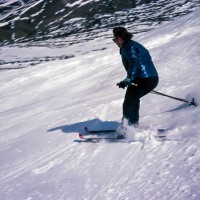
(80, 2)
(8, 3)
(33, 5)
(43, 107)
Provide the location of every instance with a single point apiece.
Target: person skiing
(142, 76)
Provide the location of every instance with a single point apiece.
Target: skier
(140, 71)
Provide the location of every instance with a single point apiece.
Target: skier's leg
(148, 84)
(131, 104)
(133, 94)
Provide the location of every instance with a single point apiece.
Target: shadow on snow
(94, 124)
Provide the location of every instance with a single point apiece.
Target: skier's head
(121, 35)
(122, 32)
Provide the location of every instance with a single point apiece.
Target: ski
(99, 131)
(159, 130)
(110, 134)
(97, 135)
(83, 137)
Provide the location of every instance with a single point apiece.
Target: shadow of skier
(93, 124)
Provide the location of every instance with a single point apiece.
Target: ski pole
(192, 102)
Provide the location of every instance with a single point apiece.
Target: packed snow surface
(43, 107)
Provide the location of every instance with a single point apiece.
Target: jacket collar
(125, 42)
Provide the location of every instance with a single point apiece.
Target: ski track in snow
(43, 108)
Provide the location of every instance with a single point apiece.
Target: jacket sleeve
(132, 57)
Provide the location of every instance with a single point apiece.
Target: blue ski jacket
(137, 61)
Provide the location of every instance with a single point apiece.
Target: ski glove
(126, 82)
(121, 85)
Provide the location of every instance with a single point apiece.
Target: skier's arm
(133, 61)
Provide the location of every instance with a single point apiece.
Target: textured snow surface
(43, 107)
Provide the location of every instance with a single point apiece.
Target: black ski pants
(133, 94)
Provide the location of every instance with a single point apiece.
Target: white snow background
(43, 108)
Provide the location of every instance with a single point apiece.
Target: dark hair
(122, 32)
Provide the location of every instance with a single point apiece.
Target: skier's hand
(127, 81)
(121, 85)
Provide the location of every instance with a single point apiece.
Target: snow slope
(44, 106)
